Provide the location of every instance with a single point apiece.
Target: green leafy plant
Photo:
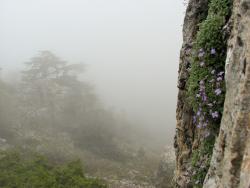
(17, 170)
(206, 85)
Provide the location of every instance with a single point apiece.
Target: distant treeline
(52, 111)
(51, 99)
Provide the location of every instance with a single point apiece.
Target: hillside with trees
(52, 112)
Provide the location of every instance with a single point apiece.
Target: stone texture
(185, 130)
(230, 165)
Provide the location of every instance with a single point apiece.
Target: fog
(131, 49)
(90, 79)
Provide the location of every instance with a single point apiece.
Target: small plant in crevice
(201, 159)
(206, 84)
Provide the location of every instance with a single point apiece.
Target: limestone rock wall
(230, 164)
(185, 130)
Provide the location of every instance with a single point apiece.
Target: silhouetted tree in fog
(53, 97)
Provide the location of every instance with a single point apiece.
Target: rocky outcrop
(185, 130)
(230, 164)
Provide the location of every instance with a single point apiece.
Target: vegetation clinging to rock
(206, 85)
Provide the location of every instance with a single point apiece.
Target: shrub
(16, 170)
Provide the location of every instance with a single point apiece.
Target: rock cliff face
(185, 130)
(230, 163)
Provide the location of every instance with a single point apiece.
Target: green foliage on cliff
(201, 161)
(23, 171)
(209, 38)
(206, 85)
(220, 7)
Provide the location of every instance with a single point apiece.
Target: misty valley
(88, 93)
(55, 132)
(124, 94)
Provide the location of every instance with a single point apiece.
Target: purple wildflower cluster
(219, 78)
(200, 117)
(207, 108)
(202, 53)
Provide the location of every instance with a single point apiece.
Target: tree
(55, 99)
(7, 110)
(47, 82)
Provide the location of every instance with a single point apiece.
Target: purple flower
(199, 125)
(213, 51)
(202, 82)
(201, 53)
(213, 71)
(202, 64)
(205, 124)
(198, 113)
(219, 79)
(221, 73)
(215, 114)
(204, 98)
(218, 91)
(194, 119)
(202, 89)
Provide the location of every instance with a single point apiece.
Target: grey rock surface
(230, 165)
(185, 130)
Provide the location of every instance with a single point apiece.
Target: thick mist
(88, 92)
(130, 49)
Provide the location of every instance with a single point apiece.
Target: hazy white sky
(131, 48)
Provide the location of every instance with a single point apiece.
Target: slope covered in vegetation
(53, 111)
(206, 85)
(201, 88)
(25, 170)
(212, 138)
